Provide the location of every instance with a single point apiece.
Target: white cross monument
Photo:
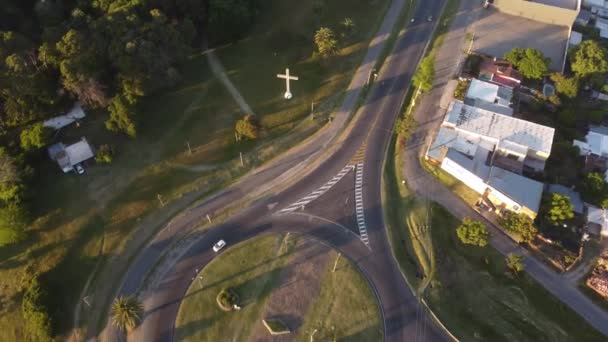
(287, 78)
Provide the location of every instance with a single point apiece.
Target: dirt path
(298, 286)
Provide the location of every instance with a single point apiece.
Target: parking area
(496, 33)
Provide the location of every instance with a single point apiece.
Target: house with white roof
(68, 156)
(489, 152)
(490, 96)
(595, 148)
(597, 221)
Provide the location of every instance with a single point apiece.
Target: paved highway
(366, 142)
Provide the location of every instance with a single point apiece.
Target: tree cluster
(530, 62)
(558, 209)
(594, 189)
(519, 224)
(423, 79)
(34, 312)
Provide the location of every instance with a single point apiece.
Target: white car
(219, 245)
(79, 169)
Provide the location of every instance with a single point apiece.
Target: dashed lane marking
(359, 209)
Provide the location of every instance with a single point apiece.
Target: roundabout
(287, 279)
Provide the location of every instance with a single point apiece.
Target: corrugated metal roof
(525, 191)
(500, 127)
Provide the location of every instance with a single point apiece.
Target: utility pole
(313, 334)
(241, 155)
(312, 110)
(208, 218)
(160, 199)
(336, 263)
(189, 149)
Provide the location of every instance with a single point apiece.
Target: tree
(405, 125)
(472, 232)
(515, 263)
(11, 184)
(559, 209)
(594, 189)
(247, 127)
(229, 19)
(104, 154)
(35, 137)
(589, 59)
(120, 116)
(126, 312)
(13, 219)
(423, 79)
(348, 25)
(566, 86)
(520, 224)
(530, 62)
(326, 42)
(35, 314)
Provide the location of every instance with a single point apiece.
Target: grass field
(344, 308)
(470, 289)
(82, 222)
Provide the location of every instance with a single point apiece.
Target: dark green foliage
(472, 232)
(520, 224)
(594, 189)
(104, 154)
(121, 112)
(558, 209)
(34, 311)
(461, 89)
(126, 312)
(247, 127)
(530, 62)
(35, 137)
(326, 43)
(423, 79)
(229, 19)
(514, 263)
(405, 126)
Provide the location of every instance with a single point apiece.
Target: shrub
(247, 127)
(461, 89)
(227, 298)
(520, 224)
(472, 232)
(35, 316)
(104, 154)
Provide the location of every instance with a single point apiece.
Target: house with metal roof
(490, 96)
(68, 156)
(490, 152)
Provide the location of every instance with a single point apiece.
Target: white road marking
(317, 193)
(359, 209)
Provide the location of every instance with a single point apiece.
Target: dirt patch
(299, 284)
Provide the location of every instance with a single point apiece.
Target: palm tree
(126, 312)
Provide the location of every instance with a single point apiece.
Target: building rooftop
(576, 38)
(575, 197)
(525, 191)
(567, 4)
(500, 72)
(500, 127)
(61, 121)
(490, 92)
(596, 141)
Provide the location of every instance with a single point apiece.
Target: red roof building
(500, 72)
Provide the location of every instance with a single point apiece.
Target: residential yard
(470, 288)
(286, 277)
(83, 221)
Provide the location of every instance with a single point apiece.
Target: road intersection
(364, 241)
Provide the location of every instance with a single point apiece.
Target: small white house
(597, 220)
(69, 156)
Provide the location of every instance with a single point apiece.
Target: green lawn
(84, 221)
(344, 308)
(470, 290)
(250, 269)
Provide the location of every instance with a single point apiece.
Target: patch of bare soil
(298, 286)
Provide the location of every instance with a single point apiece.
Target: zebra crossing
(302, 202)
(359, 211)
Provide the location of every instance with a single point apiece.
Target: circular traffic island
(279, 288)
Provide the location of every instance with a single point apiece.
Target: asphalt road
(372, 129)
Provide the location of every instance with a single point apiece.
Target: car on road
(430, 18)
(79, 169)
(219, 245)
(412, 20)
